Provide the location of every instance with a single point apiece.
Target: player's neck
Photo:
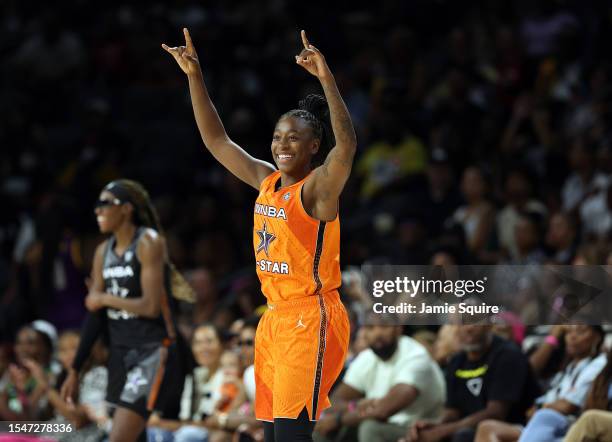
(124, 235)
(291, 179)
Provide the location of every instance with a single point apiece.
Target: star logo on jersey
(135, 380)
(116, 290)
(265, 239)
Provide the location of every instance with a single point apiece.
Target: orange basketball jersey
(296, 255)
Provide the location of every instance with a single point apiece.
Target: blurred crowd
(463, 383)
(484, 130)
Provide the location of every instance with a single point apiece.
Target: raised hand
(37, 372)
(312, 60)
(185, 56)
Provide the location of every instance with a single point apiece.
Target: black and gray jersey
(122, 278)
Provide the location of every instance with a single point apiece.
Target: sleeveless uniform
(302, 339)
(138, 346)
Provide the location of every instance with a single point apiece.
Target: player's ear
(315, 146)
(128, 209)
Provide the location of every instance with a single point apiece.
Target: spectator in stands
(22, 397)
(596, 214)
(394, 154)
(561, 238)
(565, 396)
(585, 180)
(90, 408)
(596, 422)
(528, 234)
(201, 392)
(478, 215)
(478, 387)
(232, 389)
(546, 359)
(519, 197)
(385, 389)
(246, 345)
(243, 419)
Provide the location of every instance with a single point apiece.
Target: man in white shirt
(386, 388)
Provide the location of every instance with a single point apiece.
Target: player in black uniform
(129, 298)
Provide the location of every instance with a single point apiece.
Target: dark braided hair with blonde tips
(315, 112)
(145, 215)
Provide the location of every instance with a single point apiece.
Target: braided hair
(315, 112)
(144, 214)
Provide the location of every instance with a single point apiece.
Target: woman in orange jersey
(302, 339)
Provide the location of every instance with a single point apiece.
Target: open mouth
(284, 158)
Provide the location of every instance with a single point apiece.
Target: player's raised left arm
(329, 179)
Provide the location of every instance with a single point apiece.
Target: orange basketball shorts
(300, 349)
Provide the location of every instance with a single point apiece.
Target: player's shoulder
(151, 239)
(101, 248)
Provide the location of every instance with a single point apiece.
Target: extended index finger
(188, 41)
(304, 39)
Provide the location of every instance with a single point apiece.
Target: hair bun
(315, 104)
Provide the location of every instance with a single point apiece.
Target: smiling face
(293, 145)
(206, 346)
(110, 213)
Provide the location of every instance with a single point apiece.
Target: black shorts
(132, 378)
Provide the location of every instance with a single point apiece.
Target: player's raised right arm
(235, 159)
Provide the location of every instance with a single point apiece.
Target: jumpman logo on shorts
(300, 323)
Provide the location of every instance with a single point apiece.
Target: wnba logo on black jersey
(117, 272)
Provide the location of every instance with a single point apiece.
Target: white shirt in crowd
(200, 394)
(574, 189)
(92, 391)
(595, 214)
(248, 379)
(573, 383)
(412, 365)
